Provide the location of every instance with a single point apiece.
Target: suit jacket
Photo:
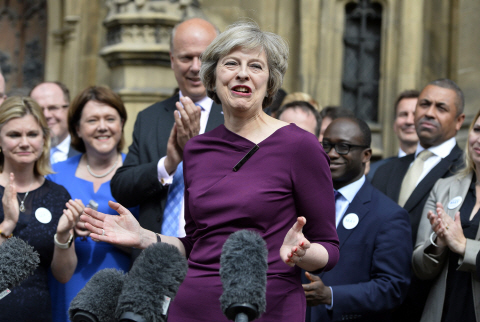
(72, 152)
(373, 273)
(388, 179)
(377, 164)
(136, 182)
(427, 266)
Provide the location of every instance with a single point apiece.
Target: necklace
(22, 202)
(102, 175)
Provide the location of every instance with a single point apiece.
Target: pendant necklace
(22, 202)
(104, 174)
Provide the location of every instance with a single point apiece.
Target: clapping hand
(10, 203)
(449, 232)
(295, 245)
(70, 218)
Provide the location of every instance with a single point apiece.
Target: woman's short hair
(468, 161)
(98, 94)
(16, 107)
(246, 34)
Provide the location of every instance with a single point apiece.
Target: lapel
(459, 187)
(215, 118)
(439, 171)
(359, 206)
(393, 188)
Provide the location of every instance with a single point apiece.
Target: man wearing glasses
(54, 98)
(373, 273)
(3, 96)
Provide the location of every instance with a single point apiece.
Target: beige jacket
(427, 266)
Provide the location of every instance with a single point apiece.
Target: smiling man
(54, 99)
(373, 273)
(408, 180)
(149, 168)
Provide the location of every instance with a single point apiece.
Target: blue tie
(174, 204)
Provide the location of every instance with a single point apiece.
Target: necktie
(338, 206)
(173, 207)
(411, 177)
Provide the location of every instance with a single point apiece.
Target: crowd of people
(347, 238)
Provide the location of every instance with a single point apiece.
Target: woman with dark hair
(448, 240)
(33, 208)
(95, 121)
(284, 191)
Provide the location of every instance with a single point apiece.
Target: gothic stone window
(361, 61)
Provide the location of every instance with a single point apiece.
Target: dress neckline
(236, 136)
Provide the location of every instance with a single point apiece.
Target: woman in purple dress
(284, 191)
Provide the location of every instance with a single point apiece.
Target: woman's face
(474, 143)
(100, 127)
(21, 140)
(242, 78)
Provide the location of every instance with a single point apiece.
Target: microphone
(18, 260)
(97, 300)
(243, 271)
(151, 284)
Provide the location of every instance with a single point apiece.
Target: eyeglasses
(54, 108)
(340, 148)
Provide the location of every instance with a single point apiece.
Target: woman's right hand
(123, 230)
(10, 206)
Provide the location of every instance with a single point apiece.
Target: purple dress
(287, 177)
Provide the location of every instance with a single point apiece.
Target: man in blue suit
(372, 276)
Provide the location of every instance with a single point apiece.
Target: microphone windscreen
(152, 282)
(243, 271)
(98, 297)
(18, 260)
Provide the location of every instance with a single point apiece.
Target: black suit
(136, 182)
(388, 179)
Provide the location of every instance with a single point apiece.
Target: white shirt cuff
(329, 307)
(163, 177)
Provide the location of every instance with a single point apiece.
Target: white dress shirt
(440, 152)
(60, 152)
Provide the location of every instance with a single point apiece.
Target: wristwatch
(63, 246)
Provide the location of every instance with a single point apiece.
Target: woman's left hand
(295, 245)
(451, 230)
(70, 217)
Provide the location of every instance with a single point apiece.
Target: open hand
(295, 245)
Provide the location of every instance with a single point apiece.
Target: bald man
(149, 168)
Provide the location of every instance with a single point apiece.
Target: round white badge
(43, 215)
(350, 221)
(454, 203)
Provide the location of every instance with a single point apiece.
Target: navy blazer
(373, 273)
(388, 179)
(136, 182)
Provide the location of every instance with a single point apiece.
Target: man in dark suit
(54, 99)
(373, 273)
(404, 128)
(408, 180)
(157, 148)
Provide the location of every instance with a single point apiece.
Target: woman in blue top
(95, 121)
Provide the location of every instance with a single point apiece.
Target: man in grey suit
(161, 130)
(438, 117)
(3, 95)
(54, 99)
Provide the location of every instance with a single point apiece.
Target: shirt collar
(350, 190)
(401, 153)
(64, 146)
(205, 103)
(442, 150)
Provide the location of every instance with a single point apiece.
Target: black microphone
(151, 284)
(243, 271)
(97, 300)
(18, 260)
